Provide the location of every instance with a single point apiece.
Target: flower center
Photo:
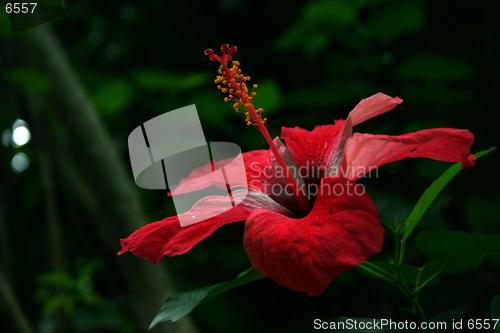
(238, 92)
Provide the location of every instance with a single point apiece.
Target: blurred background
(73, 89)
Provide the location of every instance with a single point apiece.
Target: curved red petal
(365, 152)
(203, 177)
(305, 255)
(373, 106)
(167, 237)
(321, 149)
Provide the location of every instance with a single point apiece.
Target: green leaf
(65, 302)
(162, 81)
(178, 305)
(399, 18)
(410, 272)
(313, 30)
(157, 80)
(431, 193)
(332, 94)
(449, 247)
(29, 80)
(432, 68)
(113, 96)
(433, 266)
(59, 279)
(213, 111)
(316, 43)
(268, 96)
(329, 12)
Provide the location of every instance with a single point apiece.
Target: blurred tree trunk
(107, 187)
(7, 295)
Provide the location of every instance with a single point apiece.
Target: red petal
(203, 177)
(311, 149)
(323, 147)
(365, 152)
(167, 237)
(373, 106)
(306, 254)
(263, 173)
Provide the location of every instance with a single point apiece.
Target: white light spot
(21, 136)
(20, 162)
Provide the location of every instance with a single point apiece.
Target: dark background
(61, 219)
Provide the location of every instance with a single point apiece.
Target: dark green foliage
(178, 305)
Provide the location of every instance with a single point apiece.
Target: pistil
(237, 85)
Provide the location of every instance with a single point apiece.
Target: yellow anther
(232, 82)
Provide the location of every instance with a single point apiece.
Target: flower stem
(412, 296)
(385, 276)
(423, 285)
(402, 252)
(379, 269)
(398, 279)
(251, 109)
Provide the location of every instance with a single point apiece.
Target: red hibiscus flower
(307, 220)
